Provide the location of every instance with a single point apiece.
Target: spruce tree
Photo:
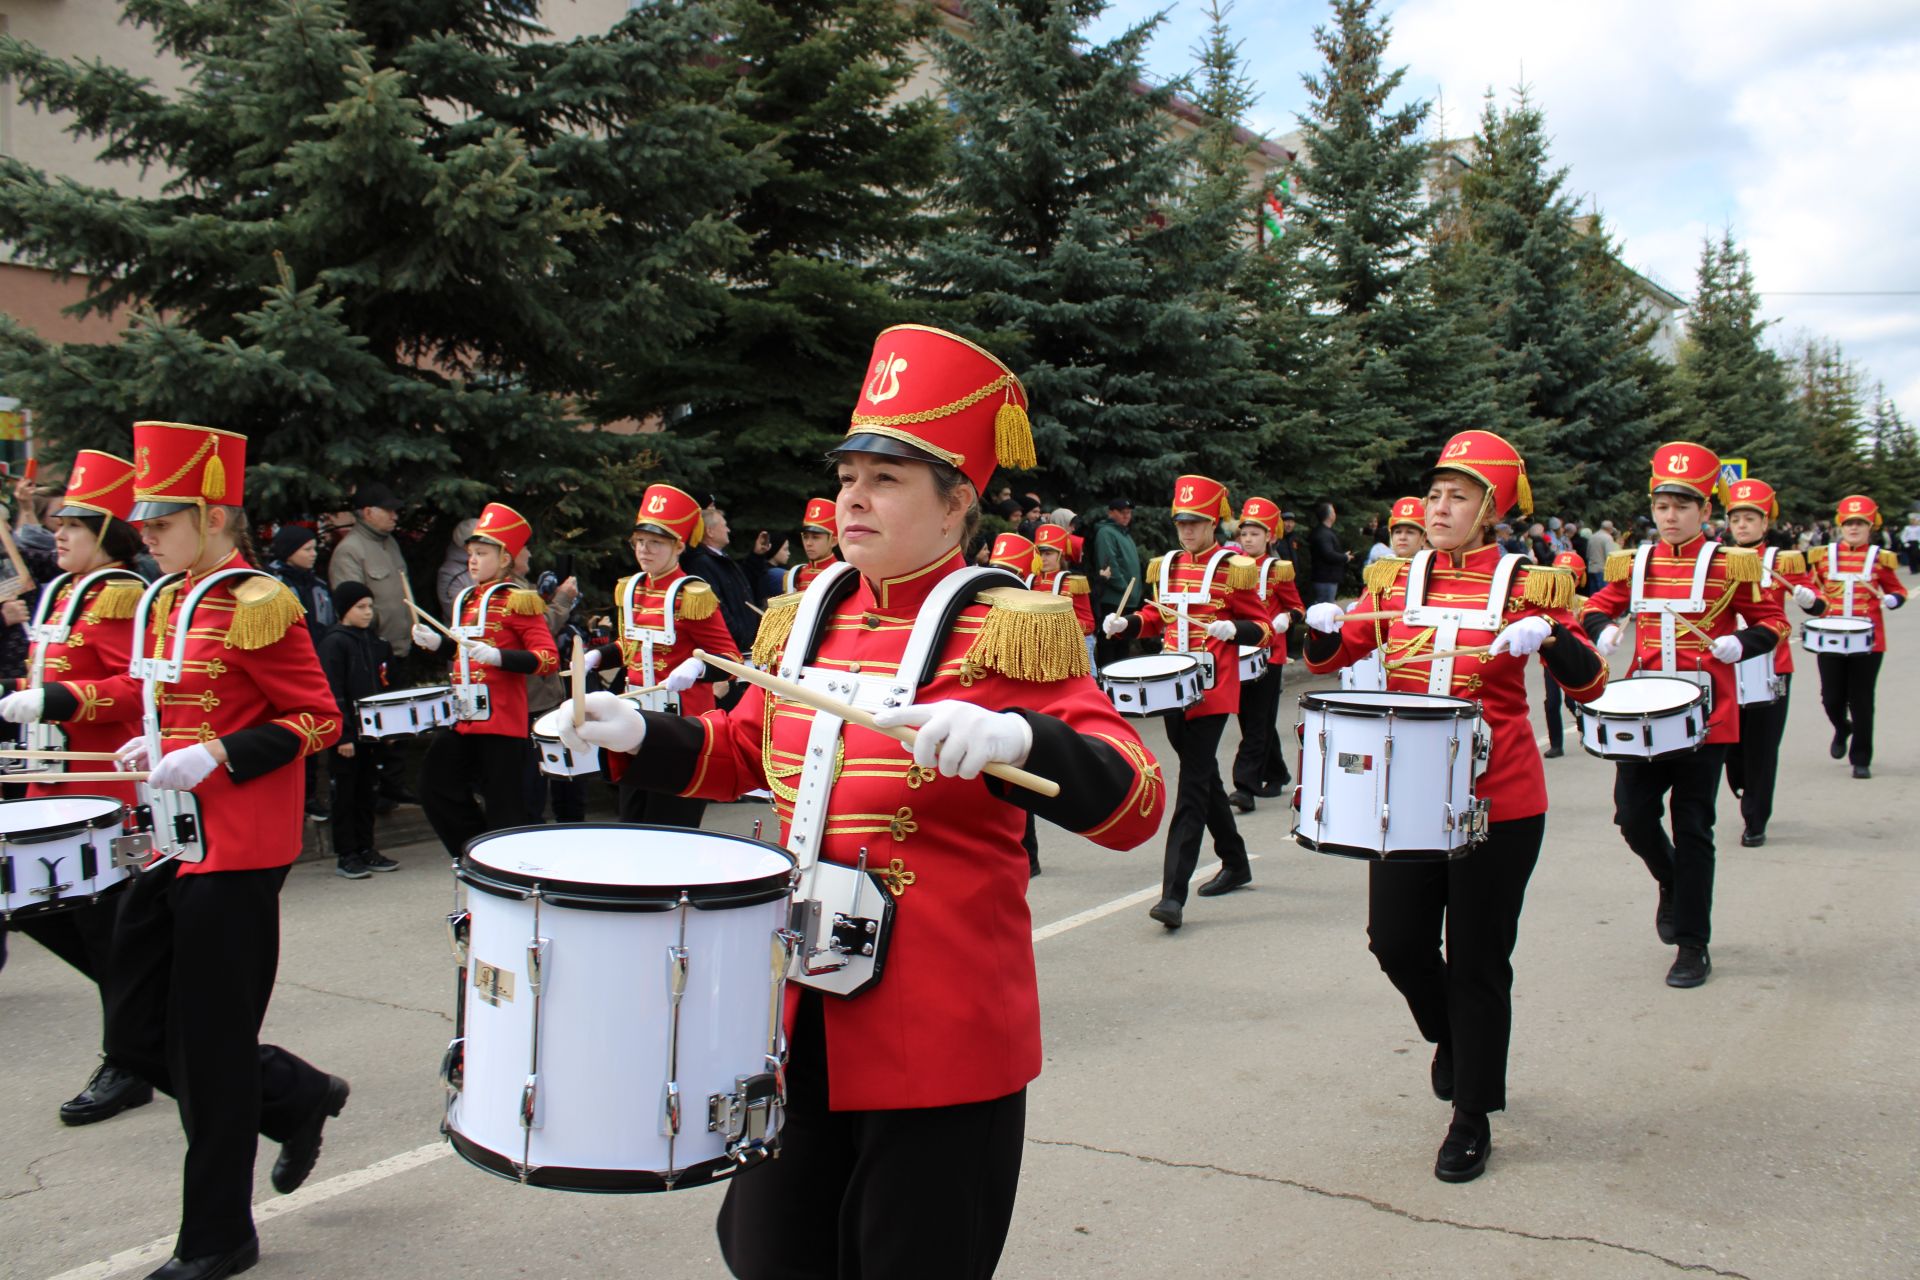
(1894, 459)
(1828, 395)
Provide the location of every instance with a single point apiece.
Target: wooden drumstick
(1127, 594)
(130, 776)
(23, 753)
(1376, 615)
(794, 692)
(577, 683)
(629, 695)
(436, 624)
(1686, 622)
(756, 608)
(1473, 651)
(24, 581)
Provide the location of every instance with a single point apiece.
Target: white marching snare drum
(1153, 685)
(1254, 660)
(1837, 635)
(1755, 680)
(403, 711)
(1369, 675)
(1390, 775)
(56, 853)
(620, 1006)
(1644, 718)
(557, 760)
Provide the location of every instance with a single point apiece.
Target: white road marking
(1105, 909)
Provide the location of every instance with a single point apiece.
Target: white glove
(1281, 621)
(183, 770)
(959, 738)
(426, 637)
(685, 676)
(484, 654)
(611, 722)
(1114, 625)
(1221, 630)
(1523, 637)
(592, 659)
(1728, 649)
(1892, 601)
(131, 755)
(1325, 618)
(24, 707)
(1609, 641)
(1805, 597)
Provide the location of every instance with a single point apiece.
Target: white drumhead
(548, 725)
(1248, 650)
(1840, 626)
(629, 856)
(1373, 702)
(42, 813)
(1151, 666)
(407, 695)
(1642, 694)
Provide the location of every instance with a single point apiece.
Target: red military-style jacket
(1074, 587)
(1514, 783)
(516, 625)
(1232, 598)
(697, 624)
(1276, 589)
(1732, 592)
(250, 679)
(96, 649)
(800, 575)
(1861, 565)
(1781, 572)
(956, 1017)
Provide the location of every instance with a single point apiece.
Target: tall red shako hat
(1263, 512)
(501, 525)
(177, 465)
(99, 484)
(931, 395)
(674, 512)
(1753, 495)
(1683, 467)
(821, 516)
(1200, 498)
(1011, 551)
(1493, 462)
(1857, 506)
(1051, 537)
(1408, 511)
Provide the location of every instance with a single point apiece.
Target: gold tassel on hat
(1013, 437)
(697, 602)
(1028, 635)
(263, 610)
(1619, 567)
(214, 482)
(775, 626)
(1380, 576)
(1742, 565)
(1523, 492)
(1790, 562)
(1547, 587)
(526, 602)
(1243, 573)
(119, 598)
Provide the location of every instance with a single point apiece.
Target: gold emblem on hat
(885, 383)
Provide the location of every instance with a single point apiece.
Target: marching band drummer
(486, 749)
(91, 612)
(196, 944)
(1407, 528)
(906, 1103)
(817, 533)
(1576, 565)
(1462, 1001)
(1753, 761)
(1209, 591)
(1260, 763)
(1857, 581)
(660, 616)
(1683, 575)
(1054, 553)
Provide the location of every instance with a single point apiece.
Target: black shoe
(1553, 753)
(1441, 1073)
(1033, 868)
(302, 1148)
(1752, 839)
(1463, 1156)
(1226, 880)
(1167, 912)
(1690, 967)
(211, 1266)
(1271, 790)
(110, 1092)
(1838, 747)
(1663, 916)
(1861, 771)
(377, 861)
(352, 869)
(398, 793)
(318, 813)
(1241, 801)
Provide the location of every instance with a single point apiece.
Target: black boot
(1463, 1156)
(1690, 967)
(211, 1266)
(302, 1147)
(1838, 747)
(110, 1092)
(1167, 912)
(1226, 880)
(1241, 801)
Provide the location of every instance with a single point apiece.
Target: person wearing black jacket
(1329, 557)
(710, 563)
(354, 657)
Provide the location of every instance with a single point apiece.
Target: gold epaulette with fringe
(1888, 560)
(526, 602)
(1743, 564)
(775, 626)
(1547, 587)
(1153, 576)
(1790, 562)
(1382, 574)
(263, 609)
(117, 598)
(1077, 585)
(697, 602)
(1281, 569)
(1619, 567)
(1028, 635)
(1243, 573)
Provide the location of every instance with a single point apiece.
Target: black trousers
(1030, 841)
(460, 764)
(1753, 761)
(1199, 805)
(925, 1193)
(356, 787)
(83, 937)
(1260, 765)
(194, 961)
(1846, 693)
(1683, 864)
(1556, 719)
(1465, 997)
(661, 809)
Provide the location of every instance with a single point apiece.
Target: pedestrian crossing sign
(1732, 469)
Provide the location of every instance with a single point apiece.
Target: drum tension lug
(453, 1064)
(745, 1116)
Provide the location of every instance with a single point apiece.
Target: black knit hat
(347, 595)
(289, 539)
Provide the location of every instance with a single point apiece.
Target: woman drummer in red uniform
(818, 528)
(197, 943)
(1857, 580)
(1462, 1000)
(906, 1102)
(84, 633)
(1260, 763)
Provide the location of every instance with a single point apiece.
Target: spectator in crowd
(1113, 563)
(332, 527)
(290, 558)
(1031, 509)
(354, 658)
(1910, 541)
(453, 577)
(709, 562)
(369, 555)
(1294, 547)
(1329, 557)
(1599, 547)
(1538, 546)
(1373, 534)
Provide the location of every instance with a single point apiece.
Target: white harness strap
(1666, 609)
(1449, 621)
(464, 686)
(1834, 574)
(1262, 570)
(650, 637)
(1181, 600)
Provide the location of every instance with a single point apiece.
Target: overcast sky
(1795, 123)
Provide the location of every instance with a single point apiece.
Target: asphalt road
(1246, 1097)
